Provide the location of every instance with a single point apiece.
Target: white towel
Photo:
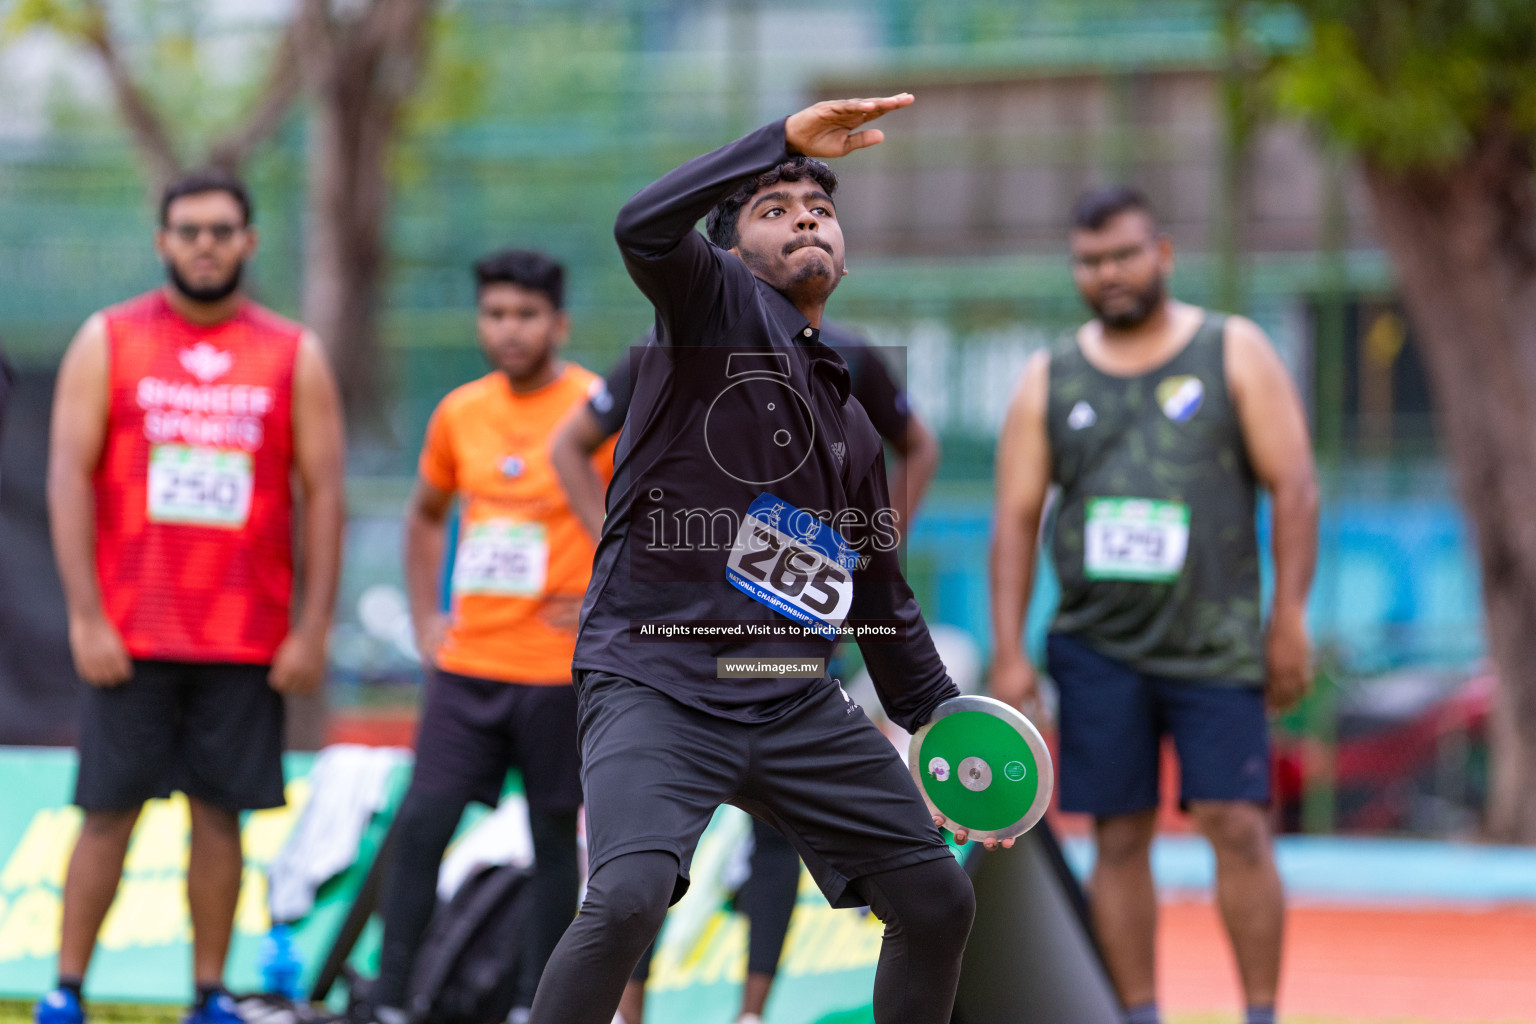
(501, 837)
(348, 786)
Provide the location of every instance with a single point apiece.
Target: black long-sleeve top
(737, 398)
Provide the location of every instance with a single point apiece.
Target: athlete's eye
(773, 211)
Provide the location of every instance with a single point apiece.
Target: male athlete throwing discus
(749, 501)
(772, 888)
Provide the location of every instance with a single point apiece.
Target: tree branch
(283, 86)
(144, 123)
(391, 37)
(314, 47)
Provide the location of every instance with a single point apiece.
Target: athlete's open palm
(831, 128)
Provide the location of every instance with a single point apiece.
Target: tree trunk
(345, 256)
(1463, 240)
(362, 73)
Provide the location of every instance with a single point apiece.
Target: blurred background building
(535, 120)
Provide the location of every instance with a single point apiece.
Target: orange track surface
(1467, 966)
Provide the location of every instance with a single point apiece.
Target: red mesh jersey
(193, 504)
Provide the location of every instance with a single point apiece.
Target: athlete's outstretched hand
(299, 665)
(830, 128)
(98, 650)
(962, 837)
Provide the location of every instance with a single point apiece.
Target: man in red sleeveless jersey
(181, 420)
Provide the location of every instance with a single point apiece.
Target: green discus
(983, 767)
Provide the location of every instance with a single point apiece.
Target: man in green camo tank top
(1156, 424)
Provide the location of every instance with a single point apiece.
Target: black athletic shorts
(472, 730)
(214, 731)
(654, 771)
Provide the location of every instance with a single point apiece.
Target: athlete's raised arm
(76, 436)
(676, 267)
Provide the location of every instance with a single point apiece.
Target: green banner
(144, 953)
(826, 974)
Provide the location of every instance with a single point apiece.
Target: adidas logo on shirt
(1082, 416)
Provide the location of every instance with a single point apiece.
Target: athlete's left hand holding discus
(830, 128)
(962, 837)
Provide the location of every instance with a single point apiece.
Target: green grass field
(21, 1013)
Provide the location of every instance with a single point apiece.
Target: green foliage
(177, 54)
(69, 19)
(1411, 83)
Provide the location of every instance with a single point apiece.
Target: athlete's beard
(1146, 304)
(811, 276)
(211, 293)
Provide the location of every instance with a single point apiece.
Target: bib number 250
(199, 486)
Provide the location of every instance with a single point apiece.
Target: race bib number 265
(199, 486)
(788, 560)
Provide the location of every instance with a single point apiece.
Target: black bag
(469, 960)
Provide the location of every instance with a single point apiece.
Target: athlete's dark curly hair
(720, 224)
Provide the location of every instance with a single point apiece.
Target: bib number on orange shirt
(199, 486)
(502, 557)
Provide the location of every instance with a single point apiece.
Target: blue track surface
(1342, 870)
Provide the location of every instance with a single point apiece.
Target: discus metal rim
(1045, 769)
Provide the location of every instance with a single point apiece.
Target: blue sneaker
(61, 1006)
(219, 1009)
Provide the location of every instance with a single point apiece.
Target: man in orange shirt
(499, 661)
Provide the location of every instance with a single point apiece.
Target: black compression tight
(626, 902)
(767, 899)
(927, 910)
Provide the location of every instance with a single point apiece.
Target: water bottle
(280, 963)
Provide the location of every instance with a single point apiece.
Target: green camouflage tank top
(1154, 536)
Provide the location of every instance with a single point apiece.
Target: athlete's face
(789, 235)
(204, 244)
(520, 330)
(1122, 269)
